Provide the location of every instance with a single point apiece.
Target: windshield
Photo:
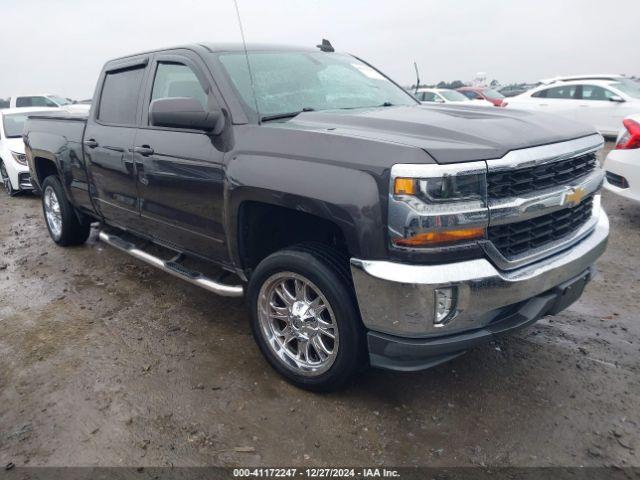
(628, 87)
(287, 82)
(59, 100)
(13, 123)
(489, 93)
(453, 96)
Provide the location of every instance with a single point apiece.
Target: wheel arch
(43, 167)
(263, 227)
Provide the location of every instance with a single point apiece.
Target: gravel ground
(106, 361)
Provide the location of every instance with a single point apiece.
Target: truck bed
(42, 129)
(58, 137)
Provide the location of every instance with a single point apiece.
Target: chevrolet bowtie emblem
(575, 196)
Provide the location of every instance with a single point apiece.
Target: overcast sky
(59, 46)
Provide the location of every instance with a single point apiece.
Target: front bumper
(20, 176)
(24, 181)
(397, 300)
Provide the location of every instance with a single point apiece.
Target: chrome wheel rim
(6, 181)
(298, 323)
(52, 212)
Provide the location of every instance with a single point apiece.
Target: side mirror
(185, 112)
(617, 98)
(439, 100)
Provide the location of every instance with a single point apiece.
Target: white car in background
(14, 171)
(599, 100)
(622, 165)
(445, 95)
(46, 100)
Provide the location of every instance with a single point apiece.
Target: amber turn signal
(404, 186)
(439, 238)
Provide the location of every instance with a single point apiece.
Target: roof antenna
(415, 65)
(326, 46)
(246, 55)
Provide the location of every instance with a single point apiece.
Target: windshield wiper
(386, 104)
(279, 116)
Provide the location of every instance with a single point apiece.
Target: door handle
(91, 143)
(144, 150)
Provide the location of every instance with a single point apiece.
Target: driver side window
(429, 97)
(177, 80)
(596, 93)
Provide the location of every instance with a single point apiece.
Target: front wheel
(62, 221)
(305, 318)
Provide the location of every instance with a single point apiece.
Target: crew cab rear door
(108, 141)
(179, 171)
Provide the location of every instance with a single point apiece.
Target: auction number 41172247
(315, 473)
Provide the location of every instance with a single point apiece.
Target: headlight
(448, 188)
(437, 205)
(21, 158)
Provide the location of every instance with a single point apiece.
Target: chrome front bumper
(398, 299)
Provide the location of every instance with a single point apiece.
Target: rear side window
(34, 102)
(564, 92)
(177, 80)
(119, 99)
(493, 94)
(471, 94)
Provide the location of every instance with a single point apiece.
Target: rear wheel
(305, 318)
(62, 221)
(6, 181)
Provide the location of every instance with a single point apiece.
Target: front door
(108, 143)
(598, 110)
(179, 171)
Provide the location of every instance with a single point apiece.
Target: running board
(172, 267)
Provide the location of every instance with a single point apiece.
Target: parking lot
(106, 361)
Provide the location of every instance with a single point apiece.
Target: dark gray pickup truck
(363, 227)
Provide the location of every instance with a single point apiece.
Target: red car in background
(483, 93)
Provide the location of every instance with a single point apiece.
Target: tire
(60, 217)
(293, 285)
(6, 181)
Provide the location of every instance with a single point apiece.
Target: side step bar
(172, 267)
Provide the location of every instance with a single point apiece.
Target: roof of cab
(255, 47)
(223, 47)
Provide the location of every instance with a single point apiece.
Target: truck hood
(448, 133)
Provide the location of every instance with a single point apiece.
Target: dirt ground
(106, 361)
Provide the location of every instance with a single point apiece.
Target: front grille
(514, 183)
(516, 238)
(617, 180)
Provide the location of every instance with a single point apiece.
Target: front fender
(347, 197)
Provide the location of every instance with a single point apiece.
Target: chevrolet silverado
(364, 228)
